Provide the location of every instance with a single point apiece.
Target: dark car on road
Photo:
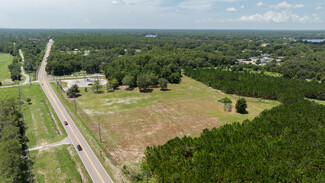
(65, 123)
(79, 147)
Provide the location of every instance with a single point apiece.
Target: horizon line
(17, 28)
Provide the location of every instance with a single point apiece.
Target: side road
(62, 142)
(22, 72)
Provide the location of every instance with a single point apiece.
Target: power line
(25, 139)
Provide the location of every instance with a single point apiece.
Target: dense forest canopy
(12, 142)
(258, 85)
(284, 144)
(94, 50)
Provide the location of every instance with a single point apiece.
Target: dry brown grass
(130, 121)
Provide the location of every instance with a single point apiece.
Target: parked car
(79, 147)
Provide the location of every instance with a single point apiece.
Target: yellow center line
(49, 91)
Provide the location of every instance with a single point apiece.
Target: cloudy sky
(163, 14)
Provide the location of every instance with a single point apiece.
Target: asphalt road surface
(95, 169)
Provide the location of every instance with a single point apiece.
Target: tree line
(284, 144)
(258, 85)
(14, 167)
(196, 49)
(15, 68)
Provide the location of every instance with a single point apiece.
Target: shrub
(225, 100)
(241, 106)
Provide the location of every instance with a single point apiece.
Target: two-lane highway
(95, 169)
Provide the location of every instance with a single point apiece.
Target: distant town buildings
(151, 35)
(261, 60)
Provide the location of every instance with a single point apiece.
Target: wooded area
(13, 160)
(258, 85)
(284, 144)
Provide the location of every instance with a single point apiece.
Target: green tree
(163, 83)
(96, 86)
(109, 86)
(143, 82)
(241, 106)
(175, 78)
(28, 100)
(225, 100)
(115, 83)
(73, 91)
(112, 85)
(153, 79)
(128, 80)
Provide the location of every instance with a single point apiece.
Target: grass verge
(43, 127)
(58, 164)
(81, 120)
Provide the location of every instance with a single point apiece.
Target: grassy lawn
(58, 164)
(130, 121)
(5, 60)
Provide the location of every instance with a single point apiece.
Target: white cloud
(196, 5)
(283, 16)
(205, 20)
(124, 2)
(279, 13)
(242, 6)
(232, 9)
(318, 8)
(285, 5)
(260, 4)
(115, 2)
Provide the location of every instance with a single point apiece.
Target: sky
(164, 14)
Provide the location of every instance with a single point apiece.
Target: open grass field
(5, 60)
(57, 164)
(130, 121)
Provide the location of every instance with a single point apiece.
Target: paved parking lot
(83, 82)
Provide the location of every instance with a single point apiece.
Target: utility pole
(83, 73)
(30, 81)
(100, 138)
(75, 102)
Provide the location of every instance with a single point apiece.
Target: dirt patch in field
(8, 82)
(133, 130)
